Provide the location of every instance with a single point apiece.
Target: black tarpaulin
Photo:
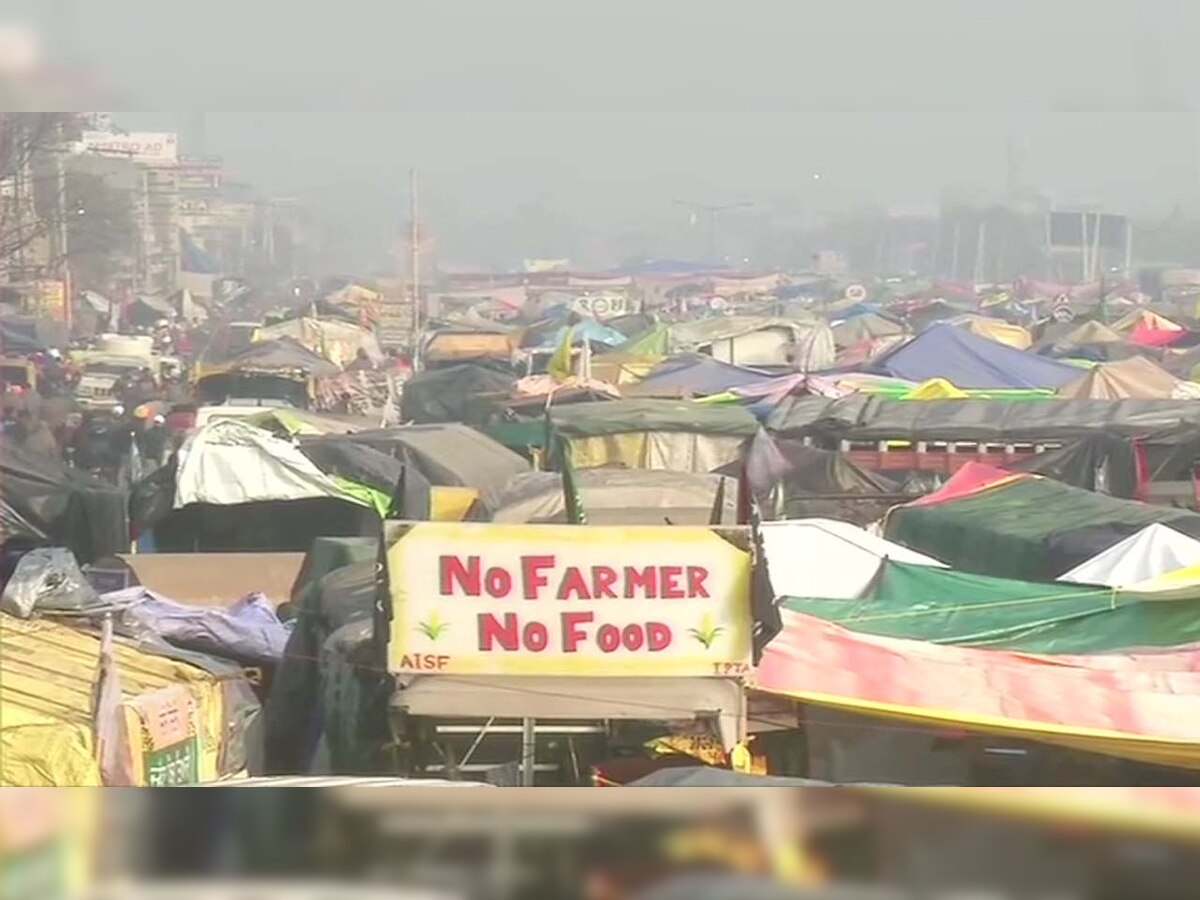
(445, 395)
(867, 418)
(47, 502)
(27, 334)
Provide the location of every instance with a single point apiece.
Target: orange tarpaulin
(1144, 707)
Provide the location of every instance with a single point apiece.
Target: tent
(20, 335)
(184, 716)
(1026, 527)
(336, 341)
(1148, 329)
(865, 327)
(824, 483)
(969, 361)
(860, 417)
(652, 434)
(827, 558)
(589, 330)
(622, 497)
(450, 455)
(1141, 707)
(49, 503)
(949, 607)
(994, 330)
(281, 355)
(232, 486)
(1133, 378)
(454, 345)
(757, 341)
(1067, 337)
(1155, 550)
(695, 375)
(451, 394)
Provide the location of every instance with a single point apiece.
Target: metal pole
(528, 751)
(60, 172)
(414, 237)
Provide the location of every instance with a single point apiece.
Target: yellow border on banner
(1161, 751)
(475, 533)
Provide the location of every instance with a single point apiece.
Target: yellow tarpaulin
(46, 729)
(936, 389)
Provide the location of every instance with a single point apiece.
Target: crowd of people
(39, 412)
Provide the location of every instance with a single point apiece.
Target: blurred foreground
(610, 844)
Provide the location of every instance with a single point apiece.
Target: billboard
(570, 600)
(1079, 229)
(48, 300)
(199, 174)
(147, 148)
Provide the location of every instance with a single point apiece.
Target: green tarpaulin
(624, 416)
(947, 607)
(1032, 528)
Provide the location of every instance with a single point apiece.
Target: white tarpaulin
(827, 558)
(1153, 551)
(338, 342)
(230, 462)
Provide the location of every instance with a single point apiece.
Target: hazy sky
(568, 126)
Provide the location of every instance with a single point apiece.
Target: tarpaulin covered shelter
(1133, 378)
(1025, 527)
(695, 375)
(1155, 550)
(994, 330)
(652, 434)
(824, 483)
(52, 504)
(232, 486)
(459, 345)
(865, 327)
(450, 395)
(537, 337)
(1137, 707)
(449, 455)
(282, 354)
(622, 497)
(1148, 328)
(862, 417)
(827, 558)
(1089, 340)
(757, 341)
(336, 587)
(183, 716)
(336, 341)
(967, 360)
(28, 334)
(949, 607)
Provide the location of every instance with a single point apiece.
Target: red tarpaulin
(1144, 707)
(971, 478)
(1147, 334)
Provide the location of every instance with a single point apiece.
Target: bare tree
(26, 138)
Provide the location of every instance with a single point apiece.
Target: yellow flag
(560, 363)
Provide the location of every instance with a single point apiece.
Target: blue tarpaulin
(194, 258)
(591, 331)
(967, 360)
(700, 375)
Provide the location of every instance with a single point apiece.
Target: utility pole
(713, 211)
(64, 252)
(415, 250)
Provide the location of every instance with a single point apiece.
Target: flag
(560, 363)
(108, 716)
